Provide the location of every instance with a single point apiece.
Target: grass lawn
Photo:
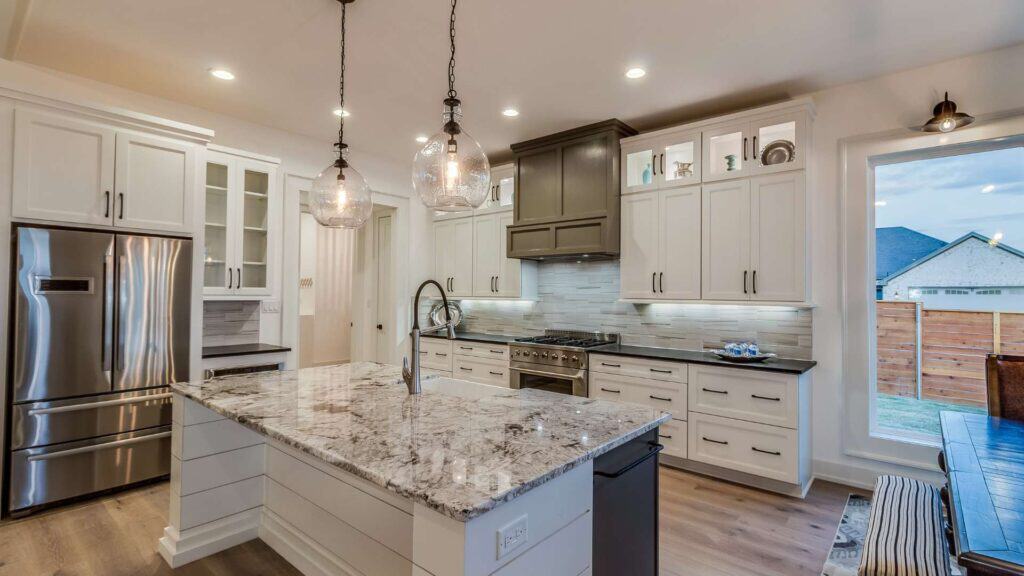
(899, 413)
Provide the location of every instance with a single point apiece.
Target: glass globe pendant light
(451, 173)
(340, 196)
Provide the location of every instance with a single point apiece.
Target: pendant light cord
(341, 85)
(451, 60)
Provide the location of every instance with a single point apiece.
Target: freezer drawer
(62, 471)
(54, 422)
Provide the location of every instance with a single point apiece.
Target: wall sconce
(945, 118)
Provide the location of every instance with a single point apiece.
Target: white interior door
(679, 240)
(462, 257)
(154, 183)
(510, 282)
(63, 169)
(725, 229)
(487, 260)
(638, 267)
(778, 225)
(385, 299)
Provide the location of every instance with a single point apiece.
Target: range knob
(535, 354)
(564, 357)
(516, 352)
(575, 359)
(544, 355)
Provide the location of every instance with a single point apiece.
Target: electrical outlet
(272, 306)
(512, 536)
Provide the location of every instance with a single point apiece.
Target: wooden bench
(905, 534)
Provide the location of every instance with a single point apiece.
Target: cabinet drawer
(745, 394)
(672, 435)
(432, 372)
(436, 353)
(480, 370)
(638, 367)
(481, 350)
(768, 451)
(665, 396)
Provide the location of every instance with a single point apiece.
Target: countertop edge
(764, 367)
(274, 349)
(461, 515)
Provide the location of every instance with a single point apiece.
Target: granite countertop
(241, 350)
(459, 448)
(785, 365)
(476, 337)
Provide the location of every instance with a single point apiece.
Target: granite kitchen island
(341, 471)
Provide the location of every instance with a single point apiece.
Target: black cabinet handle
(466, 347)
(766, 398)
(496, 373)
(715, 391)
(722, 442)
(660, 371)
(106, 200)
(464, 369)
(769, 452)
(120, 214)
(238, 281)
(423, 352)
(662, 164)
(654, 275)
(744, 149)
(655, 448)
(654, 164)
(661, 285)
(755, 281)
(611, 365)
(231, 278)
(744, 281)
(612, 391)
(496, 351)
(653, 397)
(665, 436)
(440, 354)
(497, 281)
(753, 148)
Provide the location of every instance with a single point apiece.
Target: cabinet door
(154, 182)
(461, 253)
(254, 207)
(638, 267)
(219, 244)
(444, 240)
(679, 244)
(725, 152)
(538, 186)
(63, 169)
(779, 144)
(502, 190)
(725, 230)
(679, 160)
(486, 258)
(778, 229)
(510, 273)
(638, 166)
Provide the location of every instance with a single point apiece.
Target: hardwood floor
(708, 528)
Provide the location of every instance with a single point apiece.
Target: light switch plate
(512, 536)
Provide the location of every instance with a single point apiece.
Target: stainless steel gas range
(556, 361)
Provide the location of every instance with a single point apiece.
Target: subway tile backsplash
(584, 296)
(231, 322)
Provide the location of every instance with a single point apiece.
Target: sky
(949, 197)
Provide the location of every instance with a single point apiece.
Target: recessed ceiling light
(880, 202)
(634, 73)
(340, 112)
(988, 188)
(510, 112)
(222, 74)
(422, 139)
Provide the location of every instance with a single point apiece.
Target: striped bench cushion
(905, 531)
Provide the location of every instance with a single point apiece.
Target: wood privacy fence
(940, 354)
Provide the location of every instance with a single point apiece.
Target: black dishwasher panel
(626, 509)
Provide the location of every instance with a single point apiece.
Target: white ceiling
(560, 62)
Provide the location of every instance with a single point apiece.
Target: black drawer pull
(612, 391)
(665, 436)
(722, 442)
(440, 354)
(659, 371)
(496, 373)
(465, 347)
(654, 449)
(766, 398)
(423, 352)
(756, 449)
(497, 351)
(611, 365)
(464, 369)
(715, 391)
(653, 397)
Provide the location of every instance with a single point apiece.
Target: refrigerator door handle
(95, 405)
(107, 305)
(98, 447)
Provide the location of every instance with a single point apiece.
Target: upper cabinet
(77, 171)
(470, 259)
(242, 224)
(499, 199)
(661, 245)
(753, 147)
(664, 162)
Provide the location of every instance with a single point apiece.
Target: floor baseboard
(180, 548)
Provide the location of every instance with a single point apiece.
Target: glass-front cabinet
(666, 162)
(240, 205)
(760, 147)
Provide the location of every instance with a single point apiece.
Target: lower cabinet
(481, 370)
(480, 362)
(768, 451)
(436, 354)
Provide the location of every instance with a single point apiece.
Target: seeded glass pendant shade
(451, 173)
(341, 197)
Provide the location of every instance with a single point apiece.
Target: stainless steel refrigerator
(100, 328)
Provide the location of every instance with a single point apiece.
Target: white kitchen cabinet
(81, 172)
(453, 255)
(242, 225)
(661, 245)
(487, 254)
(754, 239)
(664, 161)
(470, 261)
(502, 191)
(737, 148)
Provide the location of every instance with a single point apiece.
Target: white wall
(986, 83)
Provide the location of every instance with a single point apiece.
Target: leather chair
(1005, 377)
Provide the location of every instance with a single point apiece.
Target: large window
(949, 283)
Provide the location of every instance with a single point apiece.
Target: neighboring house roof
(947, 248)
(897, 247)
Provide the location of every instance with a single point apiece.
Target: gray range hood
(567, 194)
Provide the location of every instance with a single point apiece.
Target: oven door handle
(577, 376)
